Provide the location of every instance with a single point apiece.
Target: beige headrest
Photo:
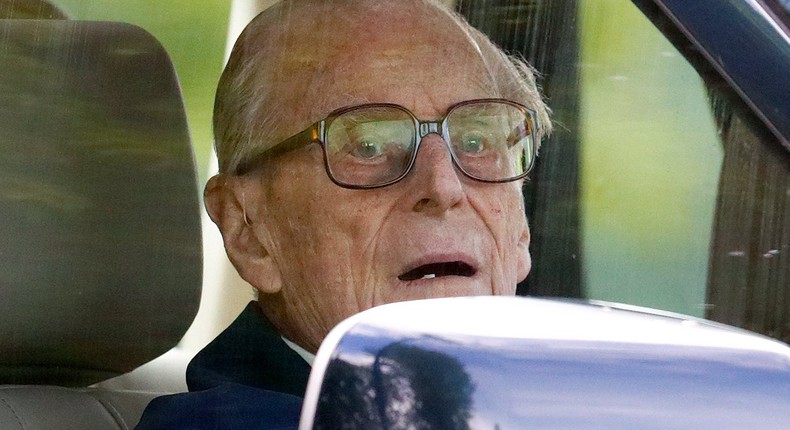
(100, 244)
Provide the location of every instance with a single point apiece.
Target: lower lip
(434, 278)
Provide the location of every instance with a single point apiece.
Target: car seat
(100, 236)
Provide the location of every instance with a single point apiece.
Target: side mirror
(507, 363)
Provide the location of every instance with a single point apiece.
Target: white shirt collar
(308, 357)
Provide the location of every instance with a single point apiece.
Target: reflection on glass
(405, 386)
(422, 389)
(380, 379)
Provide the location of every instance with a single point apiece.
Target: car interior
(101, 222)
(660, 187)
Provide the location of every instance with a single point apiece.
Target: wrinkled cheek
(514, 264)
(506, 289)
(525, 266)
(513, 220)
(515, 240)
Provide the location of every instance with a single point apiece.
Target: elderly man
(370, 152)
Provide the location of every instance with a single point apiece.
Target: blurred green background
(650, 161)
(193, 32)
(650, 154)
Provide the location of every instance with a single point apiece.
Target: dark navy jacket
(246, 378)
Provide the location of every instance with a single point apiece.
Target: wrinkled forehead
(320, 56)
(316, 30)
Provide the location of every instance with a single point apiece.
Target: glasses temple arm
(303, 138)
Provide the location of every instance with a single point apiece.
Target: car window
(659, 186)
(649, 166)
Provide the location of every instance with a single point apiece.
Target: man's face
(436, 233)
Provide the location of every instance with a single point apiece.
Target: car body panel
(748, 46)
(498, 362)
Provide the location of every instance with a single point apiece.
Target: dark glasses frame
(316, 133)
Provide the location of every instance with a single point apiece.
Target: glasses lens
(492, 141)
(369, 145)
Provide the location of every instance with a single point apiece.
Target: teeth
(437, 270)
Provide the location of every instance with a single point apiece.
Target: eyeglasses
(375, 145)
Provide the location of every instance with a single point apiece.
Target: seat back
(58, 408)
(100, 256)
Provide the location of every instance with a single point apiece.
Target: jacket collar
(249, 352)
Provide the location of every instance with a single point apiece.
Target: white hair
(249, 106)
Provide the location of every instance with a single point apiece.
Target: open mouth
(438, 270)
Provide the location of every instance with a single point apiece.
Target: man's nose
(435, 183)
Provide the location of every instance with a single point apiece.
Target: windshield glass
(658, 186)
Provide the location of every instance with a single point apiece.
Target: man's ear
(524, 259)
(229, 201)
